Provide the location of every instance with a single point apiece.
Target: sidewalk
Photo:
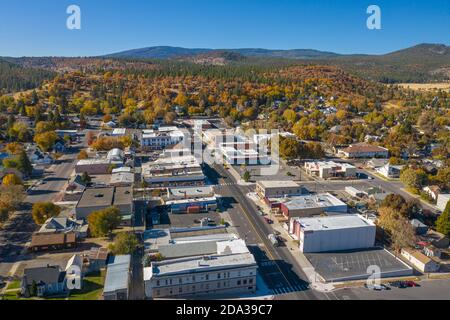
(237, 177)
(306, 266)
(291, 244)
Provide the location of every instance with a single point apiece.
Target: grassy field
(13, 285)
(92, 290)
(426, 86)
(92, 287)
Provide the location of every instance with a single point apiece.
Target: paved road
(397, 187)
(54, 181)
(16, 233)
(277, 266)
(428, 290)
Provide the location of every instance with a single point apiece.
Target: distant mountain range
(420, 63)
(166, 52)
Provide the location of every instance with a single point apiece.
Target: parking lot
(353, 265)
(428, 290)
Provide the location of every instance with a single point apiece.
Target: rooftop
(364, 147)
(418, 255)
(328, 164)
(190, 192)
(122, 177)
(320, 200)
(345, 221)
(89, 162)
(278, 184)
(119, 131)
(201, 264)
(45, 239)
(93, 197)
(117, 273)
(123, 195)
(181, 201)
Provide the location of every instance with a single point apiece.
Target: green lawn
(92, 287)
(13, 285)
(11, 295)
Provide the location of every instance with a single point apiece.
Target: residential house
(432, 191)
(64, 225)
(52, 241)
(47, 281)
(419, 227)
(74, 271)
(96, 259)
(420, 261)
(38, 157)
(59, 146)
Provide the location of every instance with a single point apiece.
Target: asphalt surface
(276, 265)
(17, 232)
(428, 290)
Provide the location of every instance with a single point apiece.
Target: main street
(276, 264)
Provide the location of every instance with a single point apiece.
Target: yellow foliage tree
(11, 179)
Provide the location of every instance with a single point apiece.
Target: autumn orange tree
(11, 179)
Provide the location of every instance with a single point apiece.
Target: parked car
(269, 221)
(273, 239)
(377, 287)
(398, 284)
(411, 284)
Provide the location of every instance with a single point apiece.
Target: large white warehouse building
(333, 233)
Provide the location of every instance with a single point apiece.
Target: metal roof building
(117, 279)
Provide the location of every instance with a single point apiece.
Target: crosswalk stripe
(288, 289)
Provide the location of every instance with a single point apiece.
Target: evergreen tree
(443, 222)
(24, 164)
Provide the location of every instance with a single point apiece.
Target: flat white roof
(191, 191)
(319, 200)
(86, 162)
(180, 201)
(200, 263)
(329, 164)
(344, 221)
(168, 129)
(119, 131)
(121, 170)
(278, 184)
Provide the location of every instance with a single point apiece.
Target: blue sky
(38, 28)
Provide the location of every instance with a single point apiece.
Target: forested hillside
(16, 78)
